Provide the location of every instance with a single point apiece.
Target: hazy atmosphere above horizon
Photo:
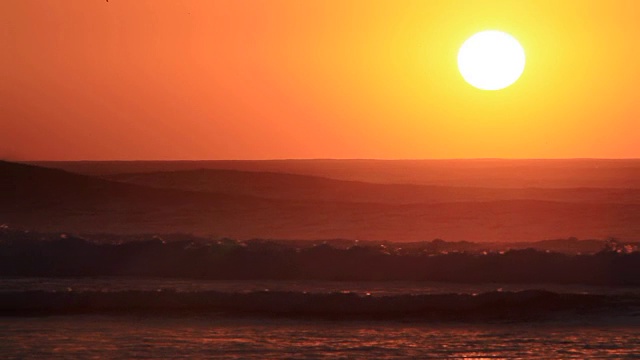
(119, 79)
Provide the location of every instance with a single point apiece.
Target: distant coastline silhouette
(266, 204)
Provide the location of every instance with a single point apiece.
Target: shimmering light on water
(62, 337)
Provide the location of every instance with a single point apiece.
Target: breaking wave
(33, 255)
(496, 305)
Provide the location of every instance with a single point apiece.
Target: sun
(491, 60)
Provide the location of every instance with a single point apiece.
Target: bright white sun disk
(491, 60)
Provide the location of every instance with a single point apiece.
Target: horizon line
(327, 159)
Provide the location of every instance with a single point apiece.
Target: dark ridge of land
(41, 255)
(487, 173)
(38, 188)
(313, 188)
(45, 199)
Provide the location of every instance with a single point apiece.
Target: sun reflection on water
(182, 337)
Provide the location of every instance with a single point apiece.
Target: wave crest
(521, 305)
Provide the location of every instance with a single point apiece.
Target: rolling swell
(511, 306)
(37, 255)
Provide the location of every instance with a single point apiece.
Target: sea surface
(135, 334)
(381, 288)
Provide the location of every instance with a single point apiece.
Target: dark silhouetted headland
(245, 205)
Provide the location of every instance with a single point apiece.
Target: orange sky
(180, 79)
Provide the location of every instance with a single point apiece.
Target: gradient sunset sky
(137, 79)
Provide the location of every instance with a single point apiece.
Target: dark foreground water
(124, 337)
(126, 318)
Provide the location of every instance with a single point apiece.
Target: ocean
(146, 337)
(97, 326)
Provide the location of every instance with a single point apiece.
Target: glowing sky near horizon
(240, 79)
